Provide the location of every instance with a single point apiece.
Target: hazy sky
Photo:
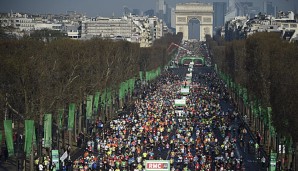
(106, 7)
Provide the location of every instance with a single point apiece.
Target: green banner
(141, 75)
(271, 127)
(89, 107)
(273, 157)
(103, 97)
(29, 131)
(96, 101)
(47, 130)
(131, 85)
(109, 97)
(71, 113)
(8, 136)
(215, 67)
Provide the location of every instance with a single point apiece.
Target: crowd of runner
(200, 136)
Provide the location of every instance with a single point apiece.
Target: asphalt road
(249, 158)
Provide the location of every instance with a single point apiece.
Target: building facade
(220, 9)
(140, 29)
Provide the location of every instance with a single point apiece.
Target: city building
(220, 9)
(164, 11)
(173, 19)
(149, 13)
(243, 26)
(23, 24)
(107, 27)
(269, 8)
(137, 12)
(134, 28)
(140, 29)
(160, 9)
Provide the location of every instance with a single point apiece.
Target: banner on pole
(29, 131)
(273, 157)
(48, 130)
(96, 101)
(71, 111)
(55, 158)
(8, 136)
(141, 75)
(89, 107)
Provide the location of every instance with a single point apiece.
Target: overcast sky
(94, 8)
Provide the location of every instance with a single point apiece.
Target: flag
(63, 157)
(89, 107)
(47, 130)
(29, 131)
(8, 136)
(141, 75)
(96, 101)
(103, 97)
(71, 111)
(109, 97)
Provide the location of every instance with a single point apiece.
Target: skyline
(93, 8)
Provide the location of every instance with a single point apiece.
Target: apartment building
(284, 23)
(133, 28)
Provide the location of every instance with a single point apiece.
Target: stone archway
(202, 11)
(194, 29)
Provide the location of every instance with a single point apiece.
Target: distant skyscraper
(269, 9)
(167, 15)
(149, 13)
(265, 7)
(127, 11)
(220, 9)
(136, 12)
(173, 18)
(160, 8)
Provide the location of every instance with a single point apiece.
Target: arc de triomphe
(202, 11)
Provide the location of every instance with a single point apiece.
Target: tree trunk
(80, 118)
(75, 125)
(70, 138)
(31, 159)
(295, 157)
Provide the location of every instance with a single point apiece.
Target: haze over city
(108, 8)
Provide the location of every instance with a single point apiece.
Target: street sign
(157, 165)
(272, 161)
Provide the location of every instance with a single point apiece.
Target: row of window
(107, 28)
(23, 21)
(289, 25)
(24, 25)
(108, 25)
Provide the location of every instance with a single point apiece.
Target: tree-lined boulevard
(67, 95)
